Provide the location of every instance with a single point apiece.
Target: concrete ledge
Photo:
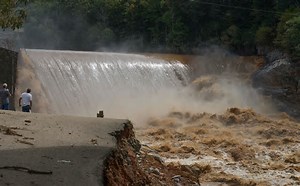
(38, 149)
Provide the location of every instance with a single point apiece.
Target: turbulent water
(237, 147)
(213, 122)
(82, 83)
(131, 86)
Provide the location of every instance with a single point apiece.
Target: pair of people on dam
(25, 99)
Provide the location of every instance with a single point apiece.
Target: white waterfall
(122, 85)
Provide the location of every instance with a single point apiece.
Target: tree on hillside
(155, 25)
(288, 30)
(232, 37)
(12, 13)
(264, 36)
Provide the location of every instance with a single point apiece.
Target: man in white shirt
(26, 99)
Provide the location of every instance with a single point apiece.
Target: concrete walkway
(38, 149)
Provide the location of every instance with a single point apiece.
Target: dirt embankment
(132, 165)
(123, 167)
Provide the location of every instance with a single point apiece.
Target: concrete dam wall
(82, 83)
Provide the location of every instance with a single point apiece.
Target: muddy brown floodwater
(238, 147)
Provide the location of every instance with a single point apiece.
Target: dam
(133, 86)
(56, 149)
(82, 83)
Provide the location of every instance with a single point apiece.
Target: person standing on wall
(4, 96)
(26, 100)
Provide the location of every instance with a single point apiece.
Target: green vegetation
(12, 13)
(288, 33)
(164, 25)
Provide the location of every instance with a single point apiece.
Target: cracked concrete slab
(40, 149)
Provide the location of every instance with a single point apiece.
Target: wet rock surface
(280, 79)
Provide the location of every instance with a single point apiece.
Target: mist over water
(131, 86)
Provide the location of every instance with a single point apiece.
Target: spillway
(82, 83)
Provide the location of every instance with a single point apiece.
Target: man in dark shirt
(4, 97)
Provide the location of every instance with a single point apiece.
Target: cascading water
(123, 85)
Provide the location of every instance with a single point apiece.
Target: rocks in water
(154, 171)
(280, 79)
(275, 75)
